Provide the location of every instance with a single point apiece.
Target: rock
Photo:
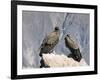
(55, 60)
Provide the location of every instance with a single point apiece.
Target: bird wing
(52, 38)
(44, 42)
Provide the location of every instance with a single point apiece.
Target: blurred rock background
(36, 25)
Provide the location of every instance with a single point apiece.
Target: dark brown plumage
(50, 41)
(73, 47)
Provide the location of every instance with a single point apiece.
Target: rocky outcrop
(55, 60)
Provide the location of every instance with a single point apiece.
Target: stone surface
(55, 60)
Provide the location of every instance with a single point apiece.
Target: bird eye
(68, 35)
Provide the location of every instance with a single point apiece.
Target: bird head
(56, 28)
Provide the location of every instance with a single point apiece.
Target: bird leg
(54, 52)
(51, 52)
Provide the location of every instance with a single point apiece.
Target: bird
(72, 45)
(50, 41)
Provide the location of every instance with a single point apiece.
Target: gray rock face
(36, 25)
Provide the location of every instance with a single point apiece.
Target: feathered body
(73, 47)
(50, 41)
